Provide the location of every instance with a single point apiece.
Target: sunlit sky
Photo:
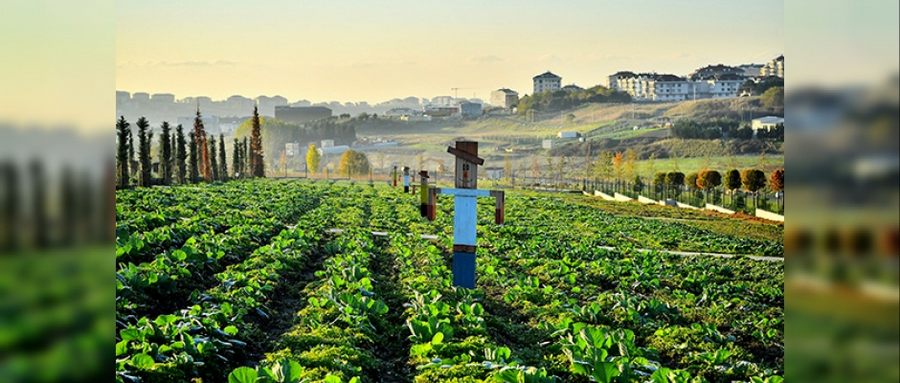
(377, 50)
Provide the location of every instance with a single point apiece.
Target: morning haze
(375, 51)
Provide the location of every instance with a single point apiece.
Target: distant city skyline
(373, 52)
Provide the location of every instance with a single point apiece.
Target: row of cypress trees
(38, 210)
(182, 161)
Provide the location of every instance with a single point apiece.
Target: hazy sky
(376, 50)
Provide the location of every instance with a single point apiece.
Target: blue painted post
(465, 218)
(406, 179)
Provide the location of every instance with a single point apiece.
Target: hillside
(733, 108)
(606, 127)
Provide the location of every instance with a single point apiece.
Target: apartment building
(505, 98)
(546, 82)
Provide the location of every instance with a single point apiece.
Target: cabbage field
(249, 281)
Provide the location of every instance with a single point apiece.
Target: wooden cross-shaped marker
(465, 210)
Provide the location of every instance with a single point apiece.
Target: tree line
(620, 168)
(184, 160)
(565, 99)
(276, 133)
(352, 163)
(723, 128)
(39, 210)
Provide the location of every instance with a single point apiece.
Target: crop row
(622, 315)
(210, 336)
(447, 328)
(333, 336)
(537, 216)
(216, 213)
(552, 303)
(165, 282)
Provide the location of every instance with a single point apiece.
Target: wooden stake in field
(465, 210)
(394, 176)
(424, 194)
(406, 179)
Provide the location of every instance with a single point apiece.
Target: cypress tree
(174, 146)
(39, 207)
(143, 152)
(10, 208)
(123, 137)
(213, 162)
(195, 171)
(202, 147)
(147, 145)
(236, 158)
(246, 157)
(223, 163)
(69, 203)
(132, 161)
(180, 155)
(88, 211)
(256, 152)
(165, 153)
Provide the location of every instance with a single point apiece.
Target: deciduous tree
(617, 163)
(708, 180)
(733, 179)
(675, 180)
(312, 159)
(776, 180)
(776, 183)
(630, 160)
(659, 182)
(353, 163)
(691, 181)
(753, 180)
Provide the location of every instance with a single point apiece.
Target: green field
(246, 282)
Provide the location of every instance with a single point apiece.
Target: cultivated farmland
(284, 281)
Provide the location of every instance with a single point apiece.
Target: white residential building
(668, 87)
(766, 123)
(494, 173)
(751, 70)
(723, 86)
(505, 98)
(773, 68)
(546, 82)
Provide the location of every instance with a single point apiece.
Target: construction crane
(456, 91)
